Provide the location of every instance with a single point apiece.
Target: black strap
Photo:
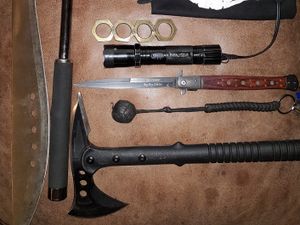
(242, 106)
(143, 1)
(221, 107)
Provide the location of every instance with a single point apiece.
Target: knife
(193, 83)
(30, 117)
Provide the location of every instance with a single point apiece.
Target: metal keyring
(293, 106)
(296, 107)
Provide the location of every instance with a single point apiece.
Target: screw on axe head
(89, 201)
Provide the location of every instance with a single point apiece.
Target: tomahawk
(90, 201)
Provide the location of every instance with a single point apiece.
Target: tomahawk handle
(180, 154)
(60, 130)
(289, 82)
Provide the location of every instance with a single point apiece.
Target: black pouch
(224, 9)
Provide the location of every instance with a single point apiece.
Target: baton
(60, 111)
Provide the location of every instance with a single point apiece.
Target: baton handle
(60, 111)
(60, 130)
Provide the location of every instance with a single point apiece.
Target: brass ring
(136, 28)
(94, 30)
(115, 33)
(158, 34)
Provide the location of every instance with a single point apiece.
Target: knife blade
(125, 83)
(30, 117)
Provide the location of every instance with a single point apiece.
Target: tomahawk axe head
(89, 201)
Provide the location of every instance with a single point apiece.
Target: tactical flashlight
(137, 55)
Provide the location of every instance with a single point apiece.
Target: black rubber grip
(59, 130)
(242, 106)
(180, 154)
(254, 152)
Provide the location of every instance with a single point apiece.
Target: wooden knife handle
(289, 82)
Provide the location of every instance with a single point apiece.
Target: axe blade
(89, 201)
(95, 204)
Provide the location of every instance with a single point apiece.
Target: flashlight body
(137, 55)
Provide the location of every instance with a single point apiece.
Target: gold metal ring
(172, 26)
(136, 33)
(115, 32)
(94, 30)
